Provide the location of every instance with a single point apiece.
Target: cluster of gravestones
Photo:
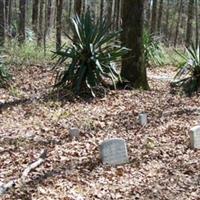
(114, 151)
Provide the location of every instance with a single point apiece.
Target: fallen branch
(7, 186)
(34, 165)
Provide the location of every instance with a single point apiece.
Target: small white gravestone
(143, 119)
(195, 137)
(74, 132)
(114, 151)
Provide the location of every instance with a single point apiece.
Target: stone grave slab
(114, 151)
(74, 132)
(143, 119)
(195, 137)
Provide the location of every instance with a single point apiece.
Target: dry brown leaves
(162, 164)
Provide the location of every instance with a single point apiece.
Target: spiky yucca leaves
(189, 72)
(91, 55)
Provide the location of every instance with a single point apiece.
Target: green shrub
(189, 73)
(90, 57)
(153, 50)
(4, 74)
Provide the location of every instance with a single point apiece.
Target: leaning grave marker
(114, 151)
(195, 137)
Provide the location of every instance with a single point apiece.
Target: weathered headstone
(74, 132)
(143, 119)
(114, 151)
(195, 137)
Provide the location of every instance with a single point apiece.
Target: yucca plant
(91, 55)
(153, 50)
(188, 75)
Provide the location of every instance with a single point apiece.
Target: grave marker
(114, 151)
(74, 132)
(143, 119)
(195, 137)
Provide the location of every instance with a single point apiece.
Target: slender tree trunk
(170, 30)
(101, 9)
(160, 13)
(114, 15)
(46, 21)
(70, 8)
(59, 4)
(167, 20)
(41, 26)
(53, 14)
(178, 23)
(197, 22)
(83, 7)
(109, 11)
(117, 14)
(35, 15)
(22, 20)
(133, 67)
(6, 15)
(154, 16)
(9, 17)
(148, 13)
(77, 7)
(189, 23)
(2, 23)
(49, 8)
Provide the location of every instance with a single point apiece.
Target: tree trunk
(101, 9)
(59, 4)
(83, 7)
(117, 21)
(197, 23)
(167, 20)
(160, 13)
(189, 23)
(22, 20)
(35, 15)
(46, 23)
(154, 16)
(70, 8)
(109, 11)
(148, 13)
(77, 7)
(133, 67)
(2, 23)
(178, 23)
(6, 15)
(41, 28)
(9, 17)
(49, 15)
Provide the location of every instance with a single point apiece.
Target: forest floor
(161, 163)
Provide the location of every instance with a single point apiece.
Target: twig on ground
(7, 186)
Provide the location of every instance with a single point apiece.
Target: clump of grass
(172, 58)
(27, 54)
(154, 50)
(5, 76)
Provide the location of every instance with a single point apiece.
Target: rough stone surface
(195, 137)
(143, 119)
(74, 132)
(114, 151)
